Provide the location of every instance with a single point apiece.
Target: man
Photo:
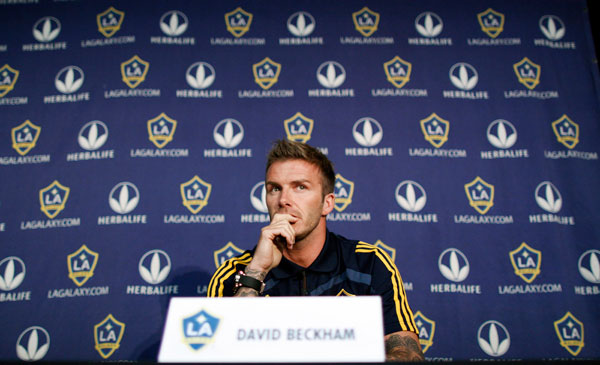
(297, 255)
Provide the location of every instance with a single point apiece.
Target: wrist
(244, 281)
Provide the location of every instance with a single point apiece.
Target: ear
(328, 204)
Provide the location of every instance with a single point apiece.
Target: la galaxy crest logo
(397, 71)
(426, 328)
(195, 194)
(528, 73)
(53, 199)
(298, 128)
(161, 130)
(238, 22)
(109, 21)
(526, 261)
(134, 71)
(491, 22)
(366, 21)
(225, 253)
(199, 329)
(480, 194)
(266, 73)
(570, 333)
(108, 335)
(24, 137)
(81, 264)
(8, 79)
(435, 130)
(343, 191)
(566, 131)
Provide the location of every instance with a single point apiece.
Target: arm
(269, 250)
(403, 346)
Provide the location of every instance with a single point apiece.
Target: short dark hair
(283, 150)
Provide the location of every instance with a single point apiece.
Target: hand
(273, 239)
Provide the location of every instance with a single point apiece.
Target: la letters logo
(298, 128)
(266, 73)
(161, 130)
(109, 21)
(199, 329)
(238, 22)
(81, 264)
(24, 137)
(8, 79)
(435, 130)
(343, 191)
(134, 71)
(566, 131)
(108, 335)
(570, 333)
(53, 199)
(365, 21)
(528, 73)
(526, 261)
(491, 22)
(480, 195)
(397, 71)
(195, 193)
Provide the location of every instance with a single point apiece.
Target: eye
(301, 187)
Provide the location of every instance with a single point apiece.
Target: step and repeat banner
(133, 137)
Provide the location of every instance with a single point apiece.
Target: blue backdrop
(133, 135)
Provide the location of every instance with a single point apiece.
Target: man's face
(295, 187)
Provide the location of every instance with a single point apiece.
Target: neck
(306, 251)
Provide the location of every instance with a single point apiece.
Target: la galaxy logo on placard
(45, 31)
(344, 193)
(492, 24)
(53, 199)
(8, 80)
(24, 138)
(81, 265)
(366, 23)
(108, 23)
(527, 262)
(436, 131)
(398, 72)
(133, 73)
(480, 195)
(528, 74)
(266, 74)
(238, 22)
(194, 195)
(199, 329)
(429, 25)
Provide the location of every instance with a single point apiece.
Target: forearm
(403, 347)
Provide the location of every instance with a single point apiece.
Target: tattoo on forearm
(403, 348)
(258, 275)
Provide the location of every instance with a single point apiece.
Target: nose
(284, 198)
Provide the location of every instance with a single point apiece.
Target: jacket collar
(326, 261)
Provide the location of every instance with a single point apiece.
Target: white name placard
(274, 329)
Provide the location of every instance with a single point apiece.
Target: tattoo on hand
(403, 348)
